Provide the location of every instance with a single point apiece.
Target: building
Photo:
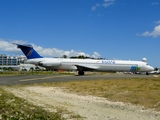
(15, 62)
(7, 61)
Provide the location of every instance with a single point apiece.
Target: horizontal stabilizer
(25, 45)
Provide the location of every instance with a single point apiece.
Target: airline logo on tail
(29, 53)
(134, 69)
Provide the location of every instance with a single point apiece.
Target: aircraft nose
(151, 68)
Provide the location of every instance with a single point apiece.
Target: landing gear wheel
(147, 73)
(80, 72)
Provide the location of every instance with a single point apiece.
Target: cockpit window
(147, 64)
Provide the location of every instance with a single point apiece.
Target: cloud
(6, 46)
(157, 22)
(96, 55)
(154, 33)
(106, 3)
(155, 3)
(47, 52)
(97, 5)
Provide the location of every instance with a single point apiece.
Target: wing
(86, 68)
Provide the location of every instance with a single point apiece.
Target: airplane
(82, 65)
(154, 72)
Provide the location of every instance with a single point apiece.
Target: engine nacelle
(50, 63)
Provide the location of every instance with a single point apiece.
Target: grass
(138, 91)
(14, 108)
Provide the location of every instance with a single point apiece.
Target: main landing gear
(147, 73)
(80, 72)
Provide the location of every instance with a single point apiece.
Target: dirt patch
(88, 107)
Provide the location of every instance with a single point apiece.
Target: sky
(112, 29)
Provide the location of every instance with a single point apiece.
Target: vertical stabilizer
(28, 50)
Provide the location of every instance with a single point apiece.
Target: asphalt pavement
(31, 79)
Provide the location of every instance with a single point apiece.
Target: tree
(24, 69)
(37, 69)
(73, 57)
(10, 69)
(5, 69)
(79, 57)
(64, 56)
(156, 69)
(31, 69)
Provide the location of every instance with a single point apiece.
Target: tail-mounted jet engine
(49, 63)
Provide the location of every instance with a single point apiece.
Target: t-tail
(28, 50)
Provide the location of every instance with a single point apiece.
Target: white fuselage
(97, 65)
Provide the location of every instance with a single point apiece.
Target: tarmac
(31, 79)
